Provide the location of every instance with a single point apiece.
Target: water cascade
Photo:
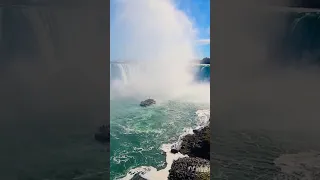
(125, 71)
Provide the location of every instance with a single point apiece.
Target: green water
(137, 133)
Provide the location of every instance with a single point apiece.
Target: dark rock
(198, 144)
(185, 168)
(174, 151)
(195, 131)
(103, 135)
(137, 177)
(147, 102)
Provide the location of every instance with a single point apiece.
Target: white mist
(162, 38)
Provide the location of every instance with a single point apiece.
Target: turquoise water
(137, 133)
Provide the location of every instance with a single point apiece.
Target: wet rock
(137, 177)
(197, 144)
(147, 102)
(195, 131)
(189, 168)
(103, 135)
(174, 151)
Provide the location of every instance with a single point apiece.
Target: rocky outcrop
(103, 135)
(147, 102)
(190, 168)
(174, 151)
(137, 177)
(197, 144)
(197, 165)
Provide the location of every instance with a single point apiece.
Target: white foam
(203, 118)
(151, 173)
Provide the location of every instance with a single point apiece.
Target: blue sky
(199, 12)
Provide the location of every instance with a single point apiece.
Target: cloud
(203, 41)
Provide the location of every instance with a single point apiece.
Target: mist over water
(161, 39)
(153, 46)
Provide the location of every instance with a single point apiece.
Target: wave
(150, 172)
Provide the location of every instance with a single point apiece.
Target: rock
(197, 144)
(174, 151)
(103, 135)
(147, 102)
(195, 131)
(189, 168)
(137, 177)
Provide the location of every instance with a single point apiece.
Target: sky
(198, 11)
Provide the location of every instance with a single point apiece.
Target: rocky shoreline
(197, 165)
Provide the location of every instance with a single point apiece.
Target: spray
(161, 39)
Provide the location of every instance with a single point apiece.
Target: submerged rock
(147, 102)
(103, 135)
(189, 168)
(197, 144)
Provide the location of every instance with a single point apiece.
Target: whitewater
(158, 42)
(141, 138)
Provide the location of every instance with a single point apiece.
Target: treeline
(205, 60)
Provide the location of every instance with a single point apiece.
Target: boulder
(147, 102)
(137, 177)
(197, 144)
(189, 168)
(174, 151)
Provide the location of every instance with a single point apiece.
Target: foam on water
(151, 173)
(161, 40)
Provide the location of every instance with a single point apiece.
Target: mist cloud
(161, 37)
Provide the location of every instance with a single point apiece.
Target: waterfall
(301, 42)
(204, 73)
(125, 72)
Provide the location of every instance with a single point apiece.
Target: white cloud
(203, 41)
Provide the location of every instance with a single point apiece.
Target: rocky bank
(197, 165)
